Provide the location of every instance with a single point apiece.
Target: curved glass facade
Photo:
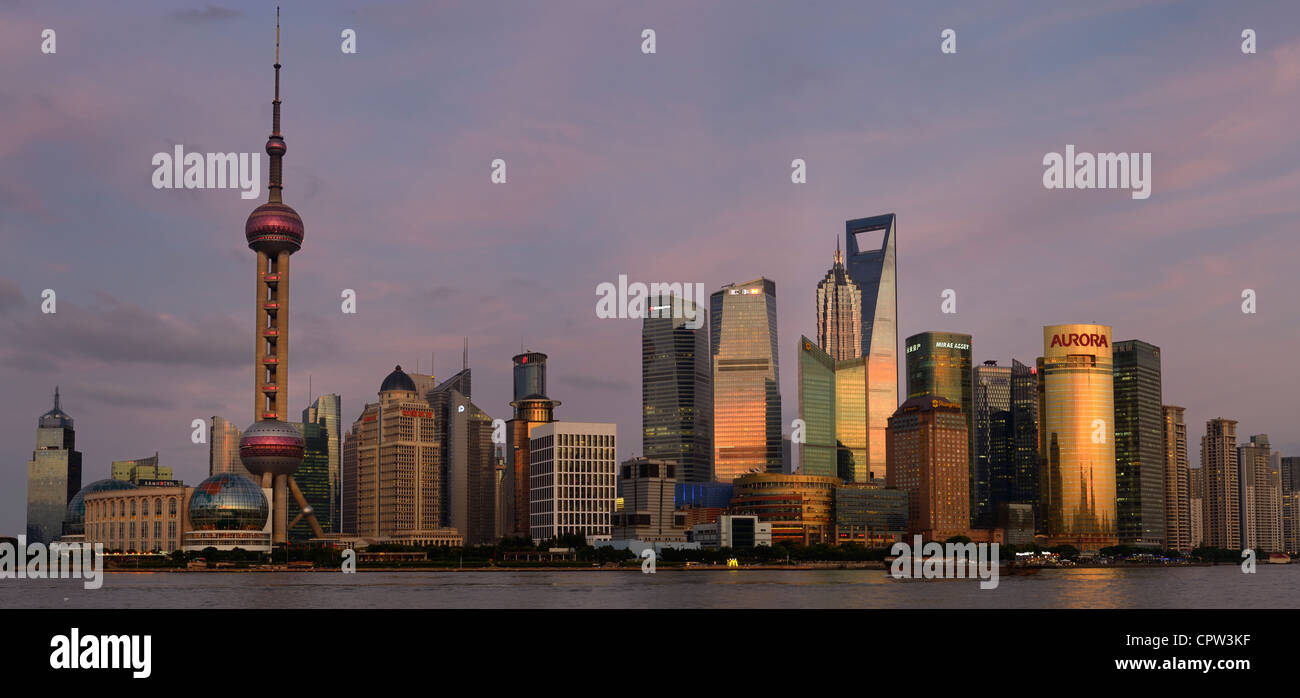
(228, 502)
(1077, 436)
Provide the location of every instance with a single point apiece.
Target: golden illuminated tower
(1076, 436)
(272, 449)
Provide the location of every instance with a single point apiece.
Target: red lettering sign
(1079, 340)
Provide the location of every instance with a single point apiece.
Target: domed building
(74, 522)
(228, 511)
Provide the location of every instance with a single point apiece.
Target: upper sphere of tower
(273, 227)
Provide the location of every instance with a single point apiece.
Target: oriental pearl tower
(272, 449)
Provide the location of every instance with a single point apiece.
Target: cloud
(111, 331)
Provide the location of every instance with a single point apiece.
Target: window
(171, 506)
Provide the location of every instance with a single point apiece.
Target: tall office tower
(313, 478)
(927, 459)
(139, 469)
(1024, 429)
(649, 504)
(939, 364)
(532, 409)
(677, 390)
(746, 380)
(1291, 503)
(1139, 445)
(833, 406)
(1076, 420)
(1178, 486)
(818, 452)
(993, 440)
(875, 272)
(327, 412)
(223, 448)
(53, 474)
(1196, 505)
(839, 312)
(1220, 499)
(468, 463)
(572, 468)
(272, 449)
(1260, 486)
(393, 450)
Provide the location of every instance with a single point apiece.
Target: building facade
(733, 531)
(1076, 441)
(869, 514)
(138, 519)
(993, 442)
(532, 408)
(327, 411)
(223, 448)
(839, 313)
(469, 463)
(928, 460)
(800, 508)
(53, 474)
(677, 389)
(1260, 487)
(1178, 482)
(1220, 498)
(746, 380)
(572, 470)
(134, 471)
(649, 503)
(874, 270)
(1139, 445)
(1024, 426)
(1290, 467)
(939, 365)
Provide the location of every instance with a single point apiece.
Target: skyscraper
(223, 448)
(572, 469)
(1291, 503)
(1076, 420)
(392, 456)
(928, 460)
(939, 364)
(993, 440)
(326, 411)
(1220, 499)
(1024, 427)
(677, 390)
(1178, 486)
(1139, 445)
(467, 459)
(746, 380)
(839, 313)
(313, 478)
(272, 449)
(818, 453)
(53, 474)
(1260, 488)
(532, 408)
(874, 271)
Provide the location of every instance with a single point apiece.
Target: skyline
(137, 365)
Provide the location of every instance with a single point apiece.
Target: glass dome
(74, 523)
(228, 502)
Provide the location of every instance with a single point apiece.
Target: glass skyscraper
(1139, 445)
(994, 443)
(875, 272)
(676, 390)
(327, 411)
(839, 313)
(53, 474)
(313, 478)
(939, 364)
(1077, 445)
(1024, 428)
(746, 380)
(833, 406)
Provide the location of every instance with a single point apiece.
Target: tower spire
(275, 144)
(56, 397)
